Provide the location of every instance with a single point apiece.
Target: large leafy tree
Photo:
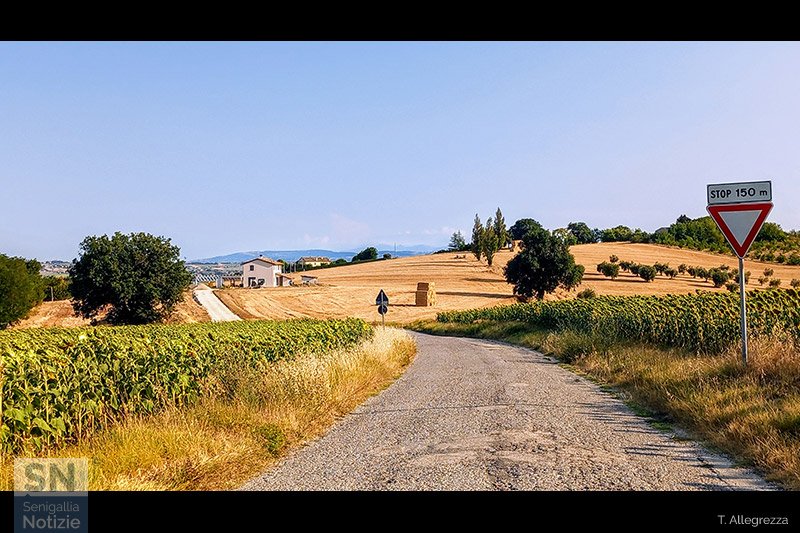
(139, 276)
(543, 265)
(366, 254)
(521, 227)
(565, 236)
(616, 234)
(477, 237)
(771, 231)
(582, 232)
(20, 288)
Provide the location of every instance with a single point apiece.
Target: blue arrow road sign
(382, 299)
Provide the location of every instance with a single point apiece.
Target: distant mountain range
(294, 255)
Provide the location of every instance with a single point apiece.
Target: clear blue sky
(243, 146)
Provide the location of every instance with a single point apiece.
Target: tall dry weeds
(249, 417)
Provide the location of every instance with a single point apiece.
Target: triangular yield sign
(740, 223)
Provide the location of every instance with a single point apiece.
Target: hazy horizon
(228, 147)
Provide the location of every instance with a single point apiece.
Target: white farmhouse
(261, 272)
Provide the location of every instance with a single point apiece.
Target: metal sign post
(743, 310)
(740, 209)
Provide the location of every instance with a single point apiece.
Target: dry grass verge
(751, 413)
(221, 442)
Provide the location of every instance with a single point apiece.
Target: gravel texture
(481, 415)
(217, 310)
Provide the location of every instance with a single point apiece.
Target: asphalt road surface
(217, 310)
(481, 415)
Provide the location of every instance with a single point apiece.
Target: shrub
(634, 268)
(588, 293)
(613, 259)
(795, 283)
(647, 273)
(625, 265)
(670, 273)
(661, 267)
(732, 286)
(719, 277)
(774, 283)
(682, 268)
(768, 272)
(609, 270)
(762, 280)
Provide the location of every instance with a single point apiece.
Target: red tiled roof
(266, 260)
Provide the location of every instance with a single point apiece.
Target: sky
(238, 146)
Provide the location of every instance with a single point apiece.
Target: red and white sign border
(742, 248)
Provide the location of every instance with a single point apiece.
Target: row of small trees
(489, 238)
(722, 275)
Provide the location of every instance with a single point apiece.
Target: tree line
(771, 244)
(543, 264)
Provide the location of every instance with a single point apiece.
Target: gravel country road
(217, 310)
(480, 415)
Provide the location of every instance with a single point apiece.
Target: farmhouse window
(252, 267)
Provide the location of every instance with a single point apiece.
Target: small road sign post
(740, 209)
(382, 301)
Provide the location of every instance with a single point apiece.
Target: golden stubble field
(59, 313)
(351, 290)
(467, 283)
(460, 284)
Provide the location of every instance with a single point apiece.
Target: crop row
(702, 322)
(58, 384)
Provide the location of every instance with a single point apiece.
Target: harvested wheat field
(351, 290)
(589, 255)
(52, 314)
(60, 314)
(466, 283)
